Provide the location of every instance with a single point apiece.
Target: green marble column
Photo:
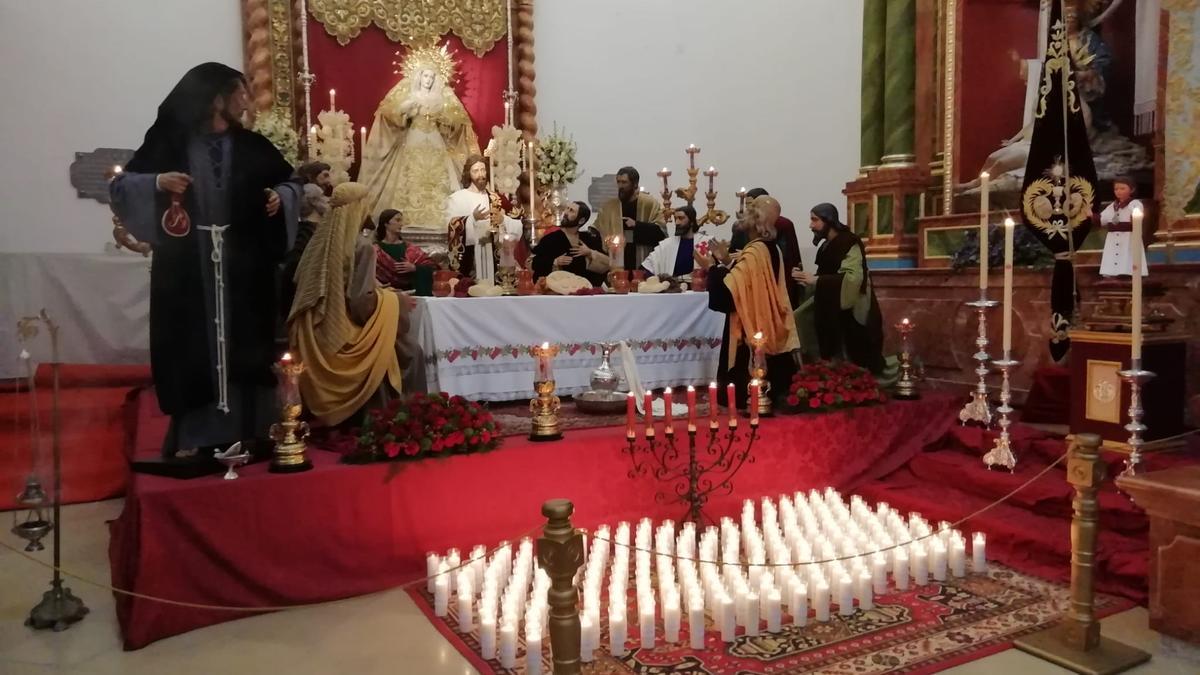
(899, 87)
(874, 39)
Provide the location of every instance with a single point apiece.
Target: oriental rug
(922, 630)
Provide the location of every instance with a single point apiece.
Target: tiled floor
(381, 633)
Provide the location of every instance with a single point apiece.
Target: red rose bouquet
(423, 425)
(828, 385)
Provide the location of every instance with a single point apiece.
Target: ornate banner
(415, 23)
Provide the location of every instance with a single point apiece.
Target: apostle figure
(634, 216)
(347, 329)
(419, 140)
(398, 264)
(210, 196)
(572, 248)
(314, 207)
(674, 256)
(750, 289)
(1117, 221)
(839, 317)
(786, 239)
(477, 219)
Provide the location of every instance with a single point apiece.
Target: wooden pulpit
(1172, 500)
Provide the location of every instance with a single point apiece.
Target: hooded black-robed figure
(231, 172)
(847, 319)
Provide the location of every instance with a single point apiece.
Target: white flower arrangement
(280, 133)
(556, 163)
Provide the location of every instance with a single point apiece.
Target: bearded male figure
(477, 219)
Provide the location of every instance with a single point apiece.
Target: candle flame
(117, 168)
(712, 384)
(667, 390)
(758, 335)
(1137, 212)
(545, 345)
(648, 392)
(904, 321)
(1008, 222)
(985, 175)
(287, 356)
(691, 388)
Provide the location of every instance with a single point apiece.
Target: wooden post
(560, 553)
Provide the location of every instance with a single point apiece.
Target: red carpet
(340, 531)
(94, 423)
(922, 630)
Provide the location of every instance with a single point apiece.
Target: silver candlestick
(1136, 377)
(979, 408)
(1001, 453)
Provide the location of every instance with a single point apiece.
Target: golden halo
(437, 59)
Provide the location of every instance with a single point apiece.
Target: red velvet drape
(363, 71)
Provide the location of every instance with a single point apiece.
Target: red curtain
(363, 71)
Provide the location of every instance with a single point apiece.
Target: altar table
(478, 347)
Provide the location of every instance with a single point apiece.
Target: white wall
(82, 74)
(769, 90)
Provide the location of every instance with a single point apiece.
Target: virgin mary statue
(418, 142)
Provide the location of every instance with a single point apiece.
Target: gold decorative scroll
(415, 23)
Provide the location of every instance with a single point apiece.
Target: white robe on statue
(661, 260)
(1118, 250)
(463, 204)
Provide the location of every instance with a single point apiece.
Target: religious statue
(418, 142)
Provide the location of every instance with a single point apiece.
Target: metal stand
(906, 387)
(1001, 453)
(979, 408)
(544, 424)
(705, 470)
(1076, 643)
(1136, 377)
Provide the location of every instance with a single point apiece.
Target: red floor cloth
(340, 531)
(93, 433)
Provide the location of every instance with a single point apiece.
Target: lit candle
(751, 617)
(799, 604)
(937, 561)
(845, 591)
(728, 624)
(671, 620)
(1009, 226)
(879, 573)
(900, 569)
(646, 623)
(533, 648)
(585, 638)
(647, 410)
(754, 393)
(616, 631)
(466, 597)
(1136, 306)
(532, 187)
(630, 415)
(668, 420)
(920, 566)
(865, 591)
(691, 403)
(692, 150)
(431, 569)
(696, 620)
(711, 173)
(362, 142)
(487, 637)
(731, 401)
(545, 371)
(713, 406)
(508, 646)
(441, 595)
(821, 600)
(984, 186)
(958, 558)
(332, 99)
(978, 553)
(312, 141)
(774, 611)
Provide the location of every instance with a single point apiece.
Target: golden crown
(437, 59)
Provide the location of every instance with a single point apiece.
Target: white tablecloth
(478, 347)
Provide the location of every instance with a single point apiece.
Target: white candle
(487, 637)
(696, 622)
(728, 623)
(533, 649)
(845, 589)
(585, 638)
(671, 620)
(799, 604)
(431, 570)
(978, 553)
(508, 646)
(984, 185)
(1009, 227)
(532, 188)
(466, 613)
(920, 567)
(616, 631)
(774, 611)
(332, 100)
(646, 623)
(1136, 307)
(865, 591)
(937, 561)
(958, 558)
(820, 600)
(900, 569)
(879, 573)
(362, 139)
(752, 614)
(441, 596)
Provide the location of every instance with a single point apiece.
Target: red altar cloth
(339, 531)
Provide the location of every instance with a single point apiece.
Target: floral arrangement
(1027, 250)
(424, 425)
(556, 163)
(280, 133)
(828, 385)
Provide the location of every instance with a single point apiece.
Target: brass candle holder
(713, 215)
(1001, 453)
(758, 371)
(906, 388)
(741, 195)
(1135, 377)
(979, 409)
(688, 194)
(544, 407)
(664, 174)
(290, 432)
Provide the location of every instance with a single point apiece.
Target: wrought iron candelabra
(979, 408)
(1136, 378)
(1001, 453)
(691, 476)
(906, 387)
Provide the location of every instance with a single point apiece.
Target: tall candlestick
(667, 418)
(691, 404)
(332, 99)
(713, 406)
(755, 392)
(984, 185)
(691, 151)
(532, 187)
(1009, 227)
(731, 401)
(630, 417)
(711, 173)
(362, 142)
(1136, 306)
(648, 412)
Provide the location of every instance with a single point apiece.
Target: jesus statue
(418, 142)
